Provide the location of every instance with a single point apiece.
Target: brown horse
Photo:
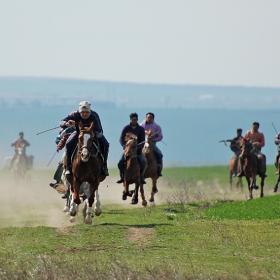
(86, 167)
(278, 173)
(152, 167)
(233, 167)
(132, 168)
(250, 167)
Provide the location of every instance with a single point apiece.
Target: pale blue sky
(210, 42)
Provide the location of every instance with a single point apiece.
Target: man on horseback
(86, 116)
(257, 139)
(157, 136)
(277, 142)
(139, 131)
(20, 142)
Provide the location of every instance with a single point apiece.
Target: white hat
(84, 106)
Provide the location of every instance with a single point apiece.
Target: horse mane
(130, 136)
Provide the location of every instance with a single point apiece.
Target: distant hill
(40, 92)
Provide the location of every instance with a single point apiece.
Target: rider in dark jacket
(86, 116)
(139, 131)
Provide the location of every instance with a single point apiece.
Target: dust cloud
(34, 203)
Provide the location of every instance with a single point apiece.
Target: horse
(87, 167)
(233, 167)
(151, 170)
(278, 173)
(19, 164)
(250, 167)
(132, 168)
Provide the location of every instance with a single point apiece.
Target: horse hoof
(130, 193)
(88, 221)
(134, 201)
(97, 213)
(275, 190)
(256, 187)
(144, 203)
(124, 197)
(72, 219)
(151, 200)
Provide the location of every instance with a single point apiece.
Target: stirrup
(120, 181)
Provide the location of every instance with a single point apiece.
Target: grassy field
(196, 229)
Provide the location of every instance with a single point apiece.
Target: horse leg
(72, 210)
(135, 195)
(240, 183)
(125, 190)
(250, 188)
(277, 182)
(154, 190)
(144, 201)
(262, 185)
(230, 179)
(97, 208)
(90, 201)
(76, 187)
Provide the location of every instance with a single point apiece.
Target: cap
(84, 106)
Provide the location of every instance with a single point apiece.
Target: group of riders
(257, 139)
(69, 132)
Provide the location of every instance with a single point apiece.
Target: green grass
(186, 237)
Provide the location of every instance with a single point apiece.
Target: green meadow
(197, 229)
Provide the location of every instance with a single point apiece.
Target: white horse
(19, 165)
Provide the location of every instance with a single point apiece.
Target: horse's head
(85, 139)
(246, 147)
(148, 143)
(131, 145)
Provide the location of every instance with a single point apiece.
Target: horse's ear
(91, 126)
(81, 126)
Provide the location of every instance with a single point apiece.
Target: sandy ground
(35, 203)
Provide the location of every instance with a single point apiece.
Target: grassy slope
(200, 238)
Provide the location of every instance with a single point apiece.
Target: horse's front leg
(230, 179)
(277, 182)
(135, 195)
(154, 190)
(76, 195)
(262, 185)
(97, 208)
(126, 191)
(250, 187)
(144, 201)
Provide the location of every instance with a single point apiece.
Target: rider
(20, 142)
(86, 116)
(157, 136)
(256, 137)
(235, 145)
(139, 131)
(277, 142)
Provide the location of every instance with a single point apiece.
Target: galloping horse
(152, 167)
(19, 164)
(278, 175)
(132, 168)
(232, 171)
(250, 167)
(86, 167)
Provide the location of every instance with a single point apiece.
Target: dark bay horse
(233, 167)
(87, 168)
(278, 175)
(132, 168)
(250, 167)
(152, 167)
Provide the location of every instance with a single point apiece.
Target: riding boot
(159, 170)
(121, 179)
(241, 171)
(105, 171)
(66, 195)
(142, 181)
(68, 165)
